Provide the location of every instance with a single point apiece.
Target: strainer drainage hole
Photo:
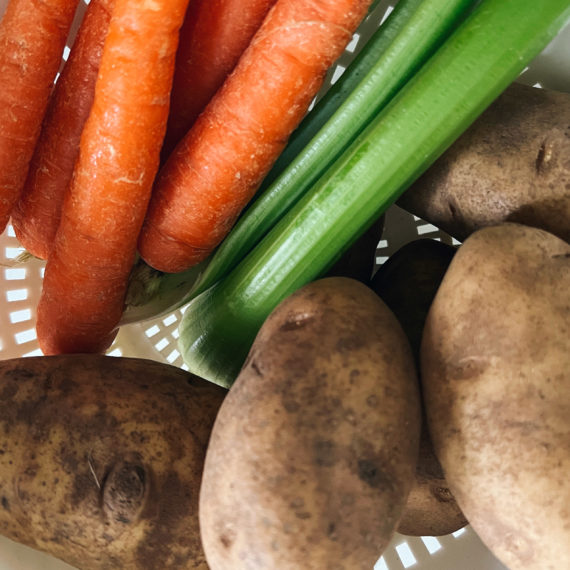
(16, 295)
(406, 555)
(431, 543)
(381, 565)
(25, 336)
(20, 316)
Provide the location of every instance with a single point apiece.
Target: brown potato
(407, 283)
(496, 379)
(101, 459)
(313, 452)
(431, 508)
(511, 165)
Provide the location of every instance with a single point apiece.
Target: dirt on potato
(101, 459)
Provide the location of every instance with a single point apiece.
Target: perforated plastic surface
(20, 285)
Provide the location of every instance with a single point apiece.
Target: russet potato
(407, 282)
(496, 381)
(101, 459)
(313, 453)
(511, 165)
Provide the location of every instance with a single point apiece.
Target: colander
(20, 286)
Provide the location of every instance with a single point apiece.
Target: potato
(407, 283)
(101, 459)
(511, 165)
(496, 377)
(313, 452)
(431, 508)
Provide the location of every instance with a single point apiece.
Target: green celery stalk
(482, 57)
(152, 294)
(398, 48)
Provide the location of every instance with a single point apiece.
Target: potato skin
(313, 452)
(407, 283)
(431, 508)
(496, 380)
(511, 165)
(101, 459)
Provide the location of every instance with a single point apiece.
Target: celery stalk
(400, 45)
(482, 57)
(398, 48)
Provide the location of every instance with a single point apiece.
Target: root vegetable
(87, 272)
(37, 212)
(32, 38)
(214, 35)
(313, 452)
(511, 165)
(101, 459)
(218, 166)
(496, 382)
(407, 283)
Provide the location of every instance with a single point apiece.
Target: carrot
(32, 39)
(214, 35)
(36, 215)
(217, 167)
(88, 267)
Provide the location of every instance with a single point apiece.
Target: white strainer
(20, 285)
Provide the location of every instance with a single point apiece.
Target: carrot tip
(180, 256)
(52, 344)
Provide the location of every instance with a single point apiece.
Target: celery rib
(398, 48)
(482, 57)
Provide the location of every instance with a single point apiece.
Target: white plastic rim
(20, 286)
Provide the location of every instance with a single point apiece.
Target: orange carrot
(220, 163)
(32, 39)
(214, 35)
(36, 215)
(94, 250)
